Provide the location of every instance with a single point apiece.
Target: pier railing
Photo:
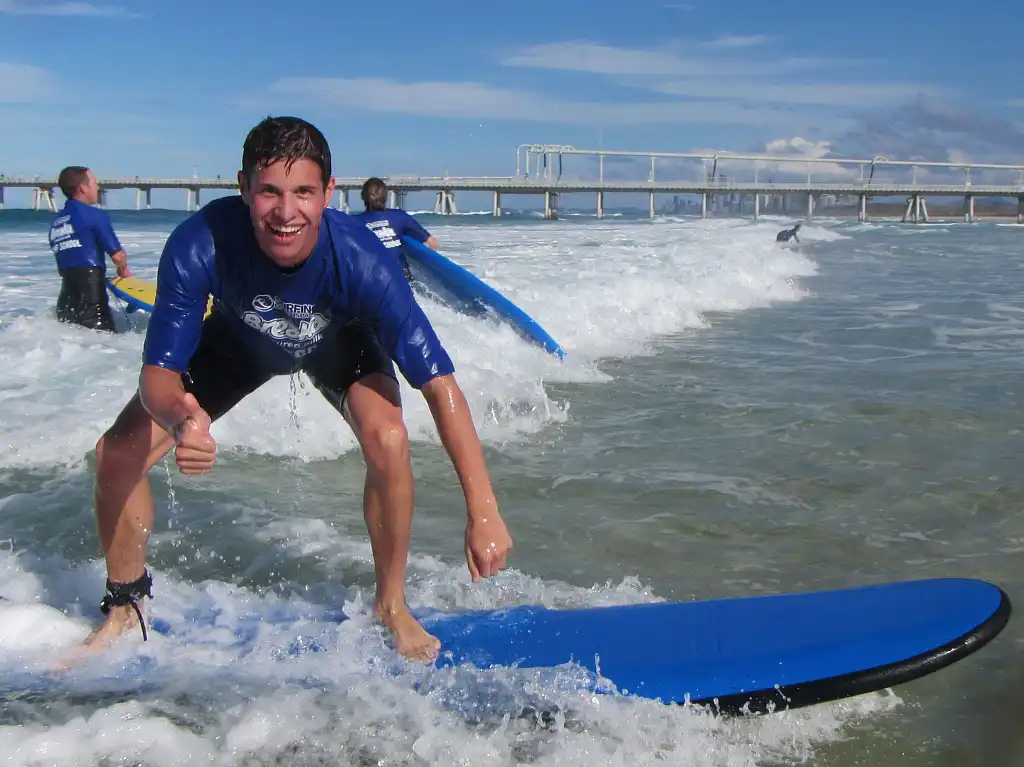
(737, 179)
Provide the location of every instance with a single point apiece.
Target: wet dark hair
(374, 194)
(288, 139)
(70, 179)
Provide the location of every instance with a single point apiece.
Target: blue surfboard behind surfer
(474, 296)
(457, 286)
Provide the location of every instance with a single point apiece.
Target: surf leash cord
(120, 594)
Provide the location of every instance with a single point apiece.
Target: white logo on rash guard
(385, 233)
(265, 303)
(62, 235)
(296, 328)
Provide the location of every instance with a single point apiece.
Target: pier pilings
(720, 184)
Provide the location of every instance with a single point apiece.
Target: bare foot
(411, 640)
(118, 621)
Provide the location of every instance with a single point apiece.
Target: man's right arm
(163, 396)
(184, 284)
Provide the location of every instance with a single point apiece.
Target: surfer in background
(296, 286)
(391, 224)
(788, 234)
(80, 236)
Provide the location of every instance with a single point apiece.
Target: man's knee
(112, 450)
(117, 455)
(132, 445)
(385, 444)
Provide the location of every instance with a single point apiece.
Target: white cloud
(791, 153)
(800, 148)
(722, 70)
(1015, 103)
(482, 101)
(598, 59)
(705, 60)
(21, 83)
(36, 8)
(822, 94)
(959, 155)
(740, 41)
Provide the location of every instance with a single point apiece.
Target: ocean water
(733, 417)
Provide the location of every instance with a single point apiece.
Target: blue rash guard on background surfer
(80, 238)
(296, 286)
(391, 224)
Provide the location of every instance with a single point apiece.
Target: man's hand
(487, 542)
(196, 449)
(487, 539)
(120, 259)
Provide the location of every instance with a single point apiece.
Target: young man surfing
(296, 286)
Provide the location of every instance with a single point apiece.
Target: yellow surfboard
(140, 294)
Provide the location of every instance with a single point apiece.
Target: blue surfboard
(753, 654)
(737, 655)
(468, 293)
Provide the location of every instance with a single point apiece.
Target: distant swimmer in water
(787, 234)
(391, 224)
(80, 236)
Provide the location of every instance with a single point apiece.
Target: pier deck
(711, 184)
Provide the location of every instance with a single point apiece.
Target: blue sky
(157, 87)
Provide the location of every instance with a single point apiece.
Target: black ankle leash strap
(120, 594)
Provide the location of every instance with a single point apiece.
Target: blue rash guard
(80, 235)
(282, 316)
(390, 225)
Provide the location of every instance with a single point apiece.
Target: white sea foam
(269, 678)
(241, 676)
(601, 289)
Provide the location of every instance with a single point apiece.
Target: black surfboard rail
(788, 697)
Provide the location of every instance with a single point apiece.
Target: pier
(731, 183)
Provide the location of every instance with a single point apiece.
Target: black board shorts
(223, 371)
(83, 298)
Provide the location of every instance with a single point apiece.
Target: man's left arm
(407, 335)
(454, 422)
(487, 541)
